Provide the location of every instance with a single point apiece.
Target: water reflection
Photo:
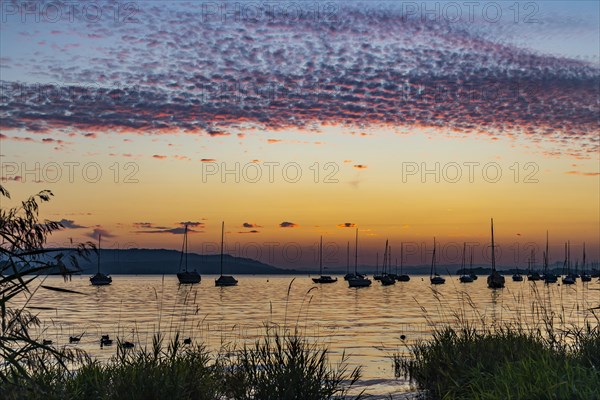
(367, 323)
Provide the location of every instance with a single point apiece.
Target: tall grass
(470, 359)
(281, 365)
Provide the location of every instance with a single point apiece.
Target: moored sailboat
(402, 277)
(434, 277)
(323, 278)
(359, 280)
(568, 279)
(495, 280)
(517, 277)
(386, 279)
(466, 278)
(532, 274)
(348, 275)
(585, 276)
(224, 280)
(100, 279)
(549, 277)
(185, 276)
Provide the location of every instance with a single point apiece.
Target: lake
(366, 323)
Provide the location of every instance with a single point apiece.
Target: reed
(279, 366)
(472, 359)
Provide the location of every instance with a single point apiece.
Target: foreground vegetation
(279, 366)
(506, 363)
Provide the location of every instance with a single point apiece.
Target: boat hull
(437, 280)
(568, 280)
(225, 280)
(465, 279)
(495, 281)
(387, 280)
(188, 277)
(359, 282)
(100, 279)
(324, 279)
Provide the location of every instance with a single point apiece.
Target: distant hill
(160, 261)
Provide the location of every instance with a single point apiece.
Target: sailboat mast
(348, 258)
(222, 241)
(471, 262)
(185, 238)
(569, 255)
(99, 239)
(547, 259)
(432, 260)
(390, 261)
(356, 253)
(385, 255)
(401, 257)
(583, 265)
(321, 257)
(464, 258)
(493, 252)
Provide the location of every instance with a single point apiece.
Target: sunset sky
(406, 120)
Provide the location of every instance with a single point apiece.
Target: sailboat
(517, 277)
(494, 280)
(348, 275)
(532, 274)
(585, 276)
(323, 278)
(471, 273)
(434, 277)
(465, 278)
(568, 279)
(402, 277)
(549, 277)
(358, 280)
(386, 279)
(100, 279)
(377, 276)
(186, 276)
(224, 280)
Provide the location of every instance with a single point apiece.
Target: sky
(295, 120)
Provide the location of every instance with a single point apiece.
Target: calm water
(366, 323)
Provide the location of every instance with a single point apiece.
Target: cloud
(95, 234)
(582, 173)
(286, 224)
(159, 157)
(146, 225)
(173, 231)
(16, 178)
(252, 231)
(271, 141)
(192, 224)
(208, 160)
(149, 227)
(360, 166)
(375, 67)
(346, 225)
(249, 225)
(70, 224)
